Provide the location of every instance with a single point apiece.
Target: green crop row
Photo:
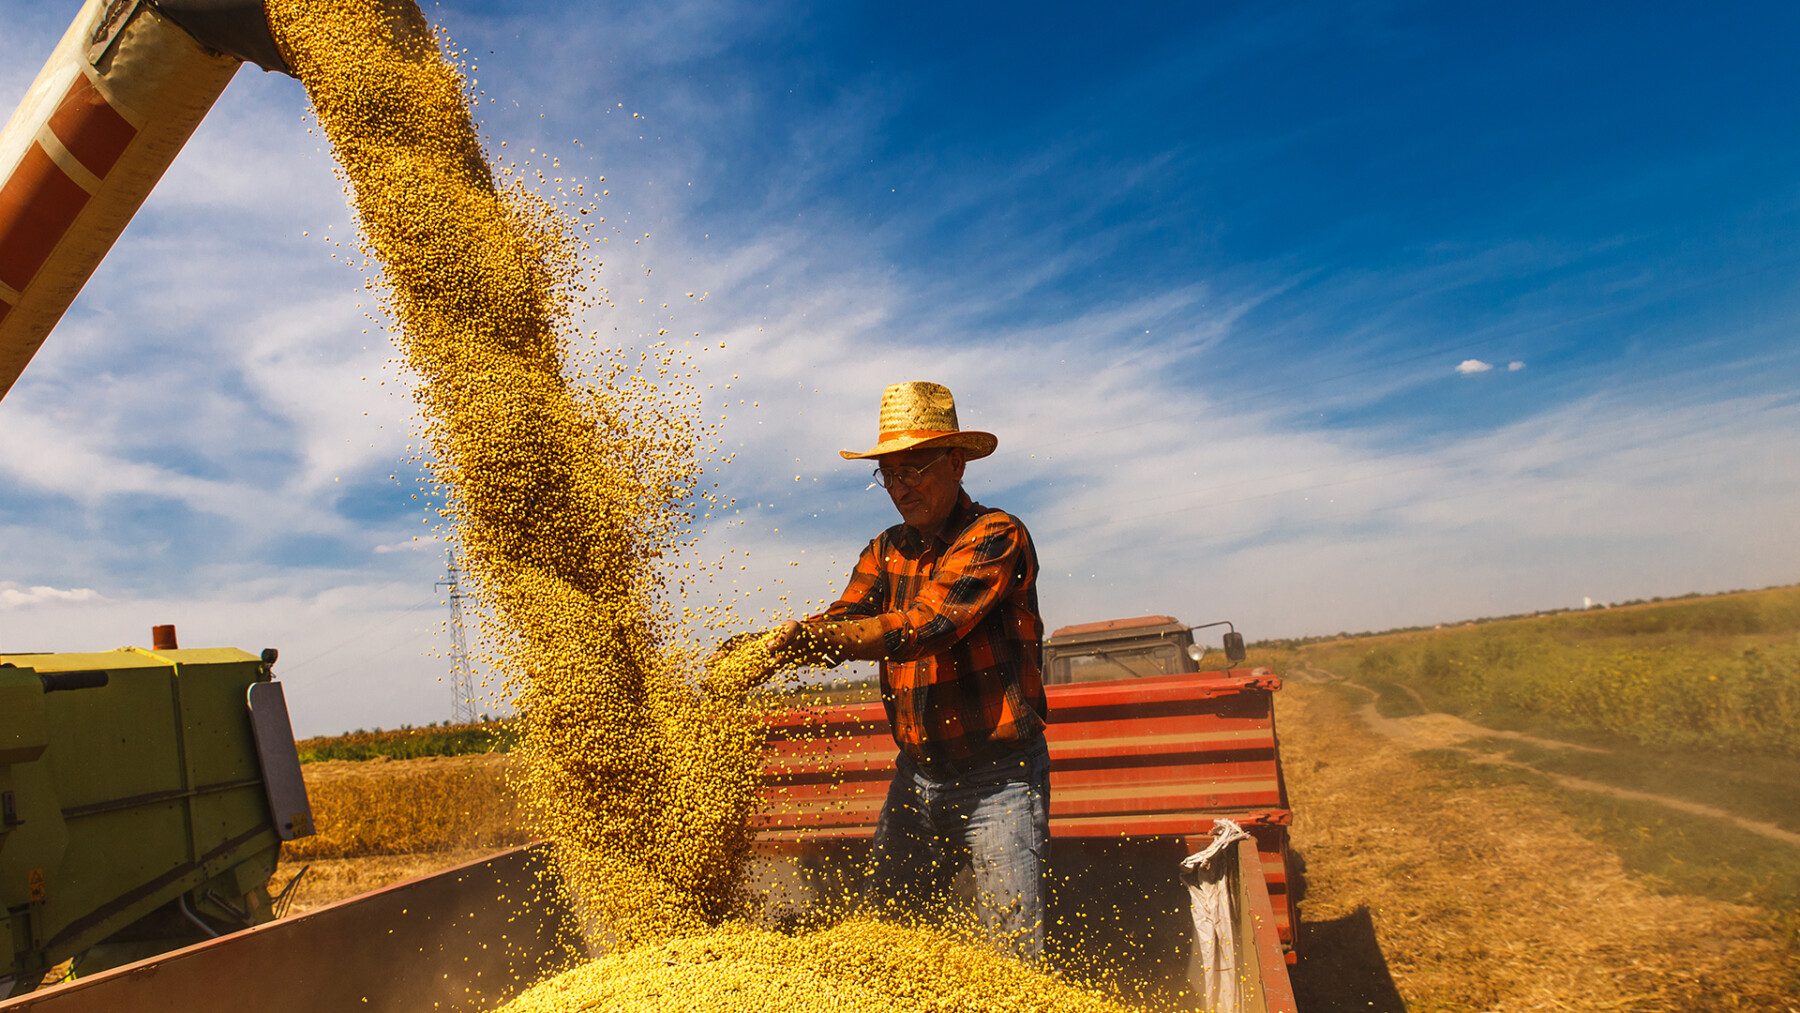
(1719, 674)
(410, 743)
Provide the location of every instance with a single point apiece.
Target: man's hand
(788, 646)
(742, 662)
(798, 645)
(736, 662)
(729, 646)
(786, 639)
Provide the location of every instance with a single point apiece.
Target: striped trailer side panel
(1137, 759)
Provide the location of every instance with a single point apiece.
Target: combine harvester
(144, 793)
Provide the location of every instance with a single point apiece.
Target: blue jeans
(997, 817)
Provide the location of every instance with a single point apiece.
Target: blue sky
(1208, 273)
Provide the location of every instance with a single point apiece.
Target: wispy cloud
(409, 545)
(15, 596)
(1471, 366)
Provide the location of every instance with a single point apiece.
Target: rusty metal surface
(1114, 626)
(1270, 990)
(462, 939)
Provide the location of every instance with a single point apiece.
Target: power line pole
(462, 675)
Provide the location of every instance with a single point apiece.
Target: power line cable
(289, 667)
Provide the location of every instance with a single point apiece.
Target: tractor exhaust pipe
(119, 97)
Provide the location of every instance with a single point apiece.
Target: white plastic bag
(1213, 965)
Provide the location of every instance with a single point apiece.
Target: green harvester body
(135, 814)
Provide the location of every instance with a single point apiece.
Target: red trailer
(1146, 751)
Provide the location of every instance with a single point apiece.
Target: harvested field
(386, 821)
(405, 807)
(1435, 883)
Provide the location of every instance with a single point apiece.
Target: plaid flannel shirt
(962, 677)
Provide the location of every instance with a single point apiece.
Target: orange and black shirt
(963, 675)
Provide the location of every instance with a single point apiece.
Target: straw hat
(920, 414)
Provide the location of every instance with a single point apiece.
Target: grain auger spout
(119, 96)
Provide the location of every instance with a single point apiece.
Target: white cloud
(359, 654)
(408, 545)
(1469, 366)
(15, 596)
(1514, 366)
(1150, 494)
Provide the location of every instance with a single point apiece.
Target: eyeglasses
(904, 474)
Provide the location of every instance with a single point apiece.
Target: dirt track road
(1434, 730)
(1435, 885)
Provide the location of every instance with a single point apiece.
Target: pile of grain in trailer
(855, 966)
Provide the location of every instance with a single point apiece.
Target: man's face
(925, 502)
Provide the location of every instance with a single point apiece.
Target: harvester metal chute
(119, 97)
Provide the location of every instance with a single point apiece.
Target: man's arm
(971, 579)
(846, 631)
(827, 642)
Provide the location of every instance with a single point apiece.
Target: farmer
(946, 601)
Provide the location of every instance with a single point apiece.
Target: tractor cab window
(1126, 660)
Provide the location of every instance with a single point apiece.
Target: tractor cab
(1127, 649)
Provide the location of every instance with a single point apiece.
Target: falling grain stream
(567, 483)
